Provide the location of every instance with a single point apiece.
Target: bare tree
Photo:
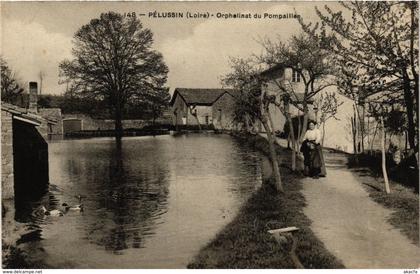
(295, 147)
(307, 58)
(254, 104)
(10, 88)
(384, 172)
(379, 44)
(327, 104)
(379, 111)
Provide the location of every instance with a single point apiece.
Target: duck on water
(58, 212)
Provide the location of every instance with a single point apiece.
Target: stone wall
(204, 115)
(7, 177)
(181, 111)
(9, 236)
(101, 124)
(223, 112)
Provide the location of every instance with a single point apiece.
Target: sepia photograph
(209, 135)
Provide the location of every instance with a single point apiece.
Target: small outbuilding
(24, 152)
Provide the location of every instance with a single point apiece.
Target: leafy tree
(10, 88)
(114, 63)
(378, 47)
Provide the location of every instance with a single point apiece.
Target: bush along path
(245, 242)
(346, 215)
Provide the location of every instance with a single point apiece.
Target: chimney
(33, 97)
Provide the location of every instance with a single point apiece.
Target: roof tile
(200, 96)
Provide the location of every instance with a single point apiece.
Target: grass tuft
(402, 201)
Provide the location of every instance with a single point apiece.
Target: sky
(37, 36)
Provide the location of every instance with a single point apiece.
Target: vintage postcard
(223, 135)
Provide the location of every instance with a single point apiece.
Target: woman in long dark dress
(312, 152)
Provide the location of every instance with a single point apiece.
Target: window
(295, 76)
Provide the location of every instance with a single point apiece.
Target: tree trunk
(292, 136)
(384, 172)
(299, 133)
(273, 155)
(362, 128)
(413, 64)
(353, 133)
(118, 122)
(385, 138)
(323, 134)
(293, 156)
(409, 109)
(356, 128)
(373, 138)
(304, 125)
(265, 115)
(368, 132)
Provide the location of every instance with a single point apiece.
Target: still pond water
(152, 204)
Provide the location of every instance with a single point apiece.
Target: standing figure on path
(312, 152)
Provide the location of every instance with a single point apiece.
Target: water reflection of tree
(246, 163)
(133, 196)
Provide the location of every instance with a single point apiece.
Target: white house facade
(337, 130)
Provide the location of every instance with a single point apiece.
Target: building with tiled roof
(200, 96)
(191, 106)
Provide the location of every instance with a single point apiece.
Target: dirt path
(351, 225)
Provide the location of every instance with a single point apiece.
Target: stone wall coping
(24, 113)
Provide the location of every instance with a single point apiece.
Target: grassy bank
(406, 173)
(402, 200)
(245, 243)
(15, 258)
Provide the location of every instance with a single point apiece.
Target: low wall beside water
(83, 122)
